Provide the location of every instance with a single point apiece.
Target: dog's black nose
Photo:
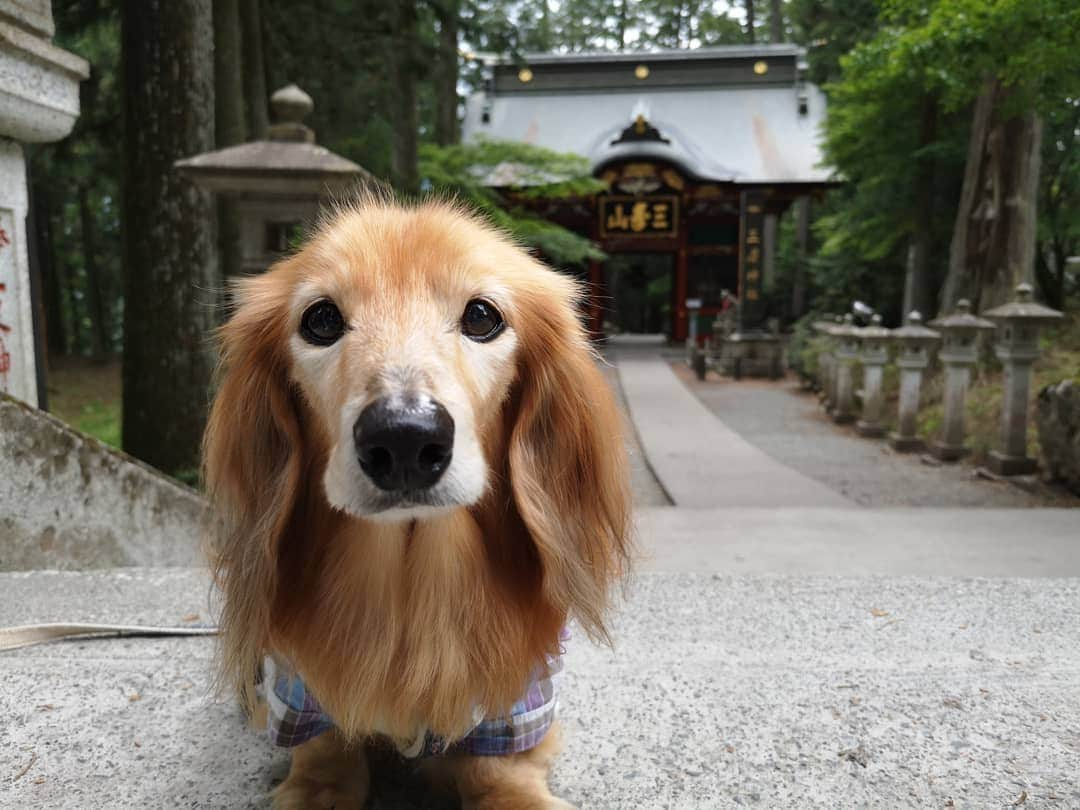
(404, 443)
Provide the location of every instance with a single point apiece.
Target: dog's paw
(304, 794)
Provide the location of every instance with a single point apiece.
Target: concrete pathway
(721, 691)
(700, 461)
(790, 426)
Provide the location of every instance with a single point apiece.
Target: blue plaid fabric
(294, 716)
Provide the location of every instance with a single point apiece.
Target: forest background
(955, 125)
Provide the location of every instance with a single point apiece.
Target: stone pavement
(720, 691)
(780, 646)
(700, 461)
(790, 426)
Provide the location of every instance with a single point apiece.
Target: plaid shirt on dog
(294, 716)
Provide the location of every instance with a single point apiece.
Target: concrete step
(779, 691)
(863, 541)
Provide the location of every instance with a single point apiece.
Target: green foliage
(101, 420)
(951, 46)
(901, 105)
(830, 29)
(465, 171)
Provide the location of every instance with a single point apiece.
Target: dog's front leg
(512, 782)
(325, 773)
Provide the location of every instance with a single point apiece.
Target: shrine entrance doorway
(638, 290)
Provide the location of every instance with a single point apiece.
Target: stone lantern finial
(290, 105)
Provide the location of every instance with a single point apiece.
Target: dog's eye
(481, 321)
(322, 323)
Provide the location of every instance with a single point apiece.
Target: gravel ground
(790, 426)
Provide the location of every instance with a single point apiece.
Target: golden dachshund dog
(419, 479)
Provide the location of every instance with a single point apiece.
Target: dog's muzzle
(404, 443)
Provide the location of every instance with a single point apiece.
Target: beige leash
(12, 638)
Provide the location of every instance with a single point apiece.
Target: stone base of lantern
(948, 452)
(871, 430)
(842, 418)
(1002, 464)
(906, 444)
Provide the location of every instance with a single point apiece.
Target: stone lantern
(278, 184)
(873, 354)
(824, 359)
(913, 356)
(959, 353)
(847, 352)
(1017, 347)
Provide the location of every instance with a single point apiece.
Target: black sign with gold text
(751, 259)
(656, 215)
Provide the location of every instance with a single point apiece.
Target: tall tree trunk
(256, 96)
(55, 331)
(993, 243)
(170, 263)
(802, 245)
(95, 301)
(446, 80)
(621, 23)
(230, 125)
(776, 20)
(919, 294)
(544, 40)
(750, 21)
(71, 300)
(404, 113)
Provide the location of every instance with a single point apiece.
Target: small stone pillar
(958, 353)
(847, 352)
(913, 343)
(827, 361)
(1017, 347)
(873, 354)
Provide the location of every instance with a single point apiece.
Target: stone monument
(913, 356)
(959, 353)
(873, 354)
(39, 102)
(845, 354)
(279, 184)
(1017, 347)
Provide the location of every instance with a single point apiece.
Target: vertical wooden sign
(751, 259)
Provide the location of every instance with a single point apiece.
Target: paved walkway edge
(700, 461)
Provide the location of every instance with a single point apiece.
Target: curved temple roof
(737, 113)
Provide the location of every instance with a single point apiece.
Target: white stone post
(958, 354)
(847, 352)
(913, 341)
(39, 102)
(1017, 347)
(873, 354)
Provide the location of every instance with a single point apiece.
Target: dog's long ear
(568, 462)
(251, 467)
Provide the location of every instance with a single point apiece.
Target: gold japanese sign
(639, 216)
(751, 259)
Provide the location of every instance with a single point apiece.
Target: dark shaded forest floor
(86, 395)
